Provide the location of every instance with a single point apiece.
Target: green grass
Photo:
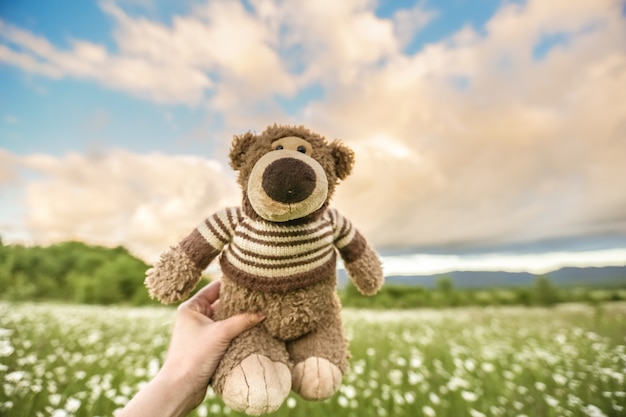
(61, 360)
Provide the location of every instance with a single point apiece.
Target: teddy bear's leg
(254, 376)
(320, 360)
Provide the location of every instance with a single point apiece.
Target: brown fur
(173, 277)
(303, 322)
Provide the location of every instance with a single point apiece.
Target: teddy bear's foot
(316, 378)
(257, 385)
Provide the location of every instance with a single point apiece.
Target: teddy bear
(278, 255)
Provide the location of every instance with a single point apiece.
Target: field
(62, 360)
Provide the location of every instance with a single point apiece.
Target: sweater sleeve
(350, 243)
(361, 261)
(207, 240)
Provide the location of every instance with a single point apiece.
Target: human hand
(198, 342)
(197, 345)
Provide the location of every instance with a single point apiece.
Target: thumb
(239, 323)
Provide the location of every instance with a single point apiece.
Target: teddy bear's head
(288, 173)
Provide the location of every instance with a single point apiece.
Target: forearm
(163, 396)
(366, 272)
(361, 261)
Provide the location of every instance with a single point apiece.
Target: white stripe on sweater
(276, 272)
(208, 235)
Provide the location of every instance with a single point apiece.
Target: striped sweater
(272, 257)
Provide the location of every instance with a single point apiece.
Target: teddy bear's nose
(288, 180)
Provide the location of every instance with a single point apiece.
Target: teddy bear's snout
(286, 185)
(289, 180)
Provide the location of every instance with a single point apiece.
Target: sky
(475, 123)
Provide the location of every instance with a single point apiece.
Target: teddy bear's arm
(361, 261)
(179, 269)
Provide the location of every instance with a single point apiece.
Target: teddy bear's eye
(279, 147)
(301, 149)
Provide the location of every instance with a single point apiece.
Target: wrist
(181, 386)
(166, 395)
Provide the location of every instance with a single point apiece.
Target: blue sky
(57, 116)
(477, 123)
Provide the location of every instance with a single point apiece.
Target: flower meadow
(69, 360)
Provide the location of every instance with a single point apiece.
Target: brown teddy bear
(278, 256)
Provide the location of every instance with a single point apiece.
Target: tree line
(72, 272)
(541, 293)
(80, 273)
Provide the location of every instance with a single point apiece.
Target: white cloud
(169, 82)
(145, 202)
(222, 39)
(530, 150)
(11, 119)
(7, 168)
(409, 22)
(339, 40)
(535, 263)
(168, 64)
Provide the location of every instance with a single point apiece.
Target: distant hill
(565, 277)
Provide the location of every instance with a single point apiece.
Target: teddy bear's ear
(344, 159)
(239, 148)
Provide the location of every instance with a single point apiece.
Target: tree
(445, 287)
(544, 292)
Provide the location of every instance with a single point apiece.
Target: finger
(209, 293)
(203, 299)
(234, 325)
(215, 307)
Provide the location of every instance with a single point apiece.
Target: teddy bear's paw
(257, 385)
(173, 277)
(316, 378)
